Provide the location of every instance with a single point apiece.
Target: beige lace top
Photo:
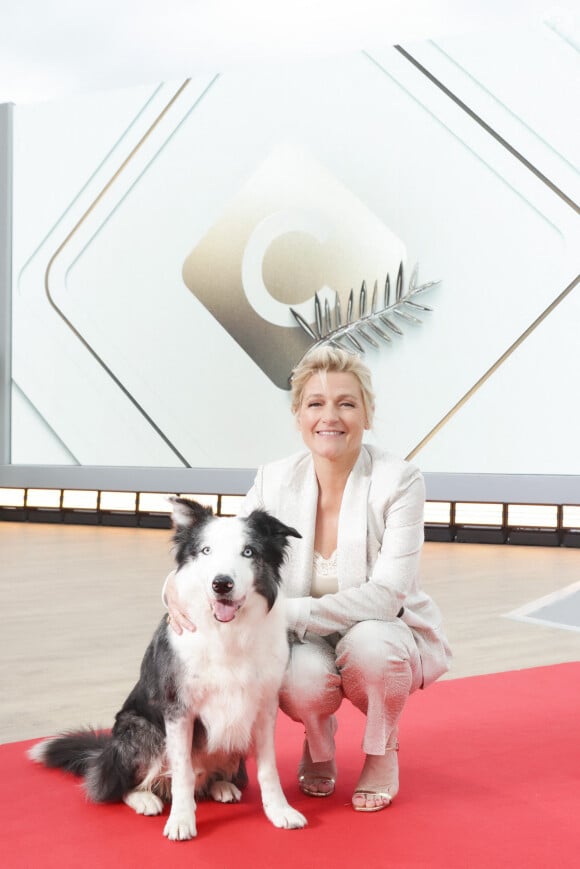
(324, 575)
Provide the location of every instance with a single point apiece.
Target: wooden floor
(78, 606)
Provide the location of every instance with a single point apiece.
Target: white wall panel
(525, 415)
(134, 339)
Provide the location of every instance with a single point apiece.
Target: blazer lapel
(352, 525)
(300, 503)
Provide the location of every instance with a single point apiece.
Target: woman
(361, 626)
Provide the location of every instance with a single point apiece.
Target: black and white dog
(205, 699)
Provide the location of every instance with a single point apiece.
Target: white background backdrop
(51, 50)
(503, 242)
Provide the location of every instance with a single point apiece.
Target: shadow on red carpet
(490, 777)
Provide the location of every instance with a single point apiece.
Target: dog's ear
(186, 513)
(268, 526)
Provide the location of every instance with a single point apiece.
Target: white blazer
(380, 535)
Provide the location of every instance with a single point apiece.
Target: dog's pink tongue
(224, 610)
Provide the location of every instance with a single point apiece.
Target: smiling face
(331, 417)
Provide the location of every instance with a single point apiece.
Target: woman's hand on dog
(176, 617)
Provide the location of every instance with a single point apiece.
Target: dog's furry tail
(92, 755)
(73, 752)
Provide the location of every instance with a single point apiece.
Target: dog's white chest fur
(228, 670)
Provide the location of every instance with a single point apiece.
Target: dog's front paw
(180, 826)
(143, 802)
(285, 817)
(225, 792)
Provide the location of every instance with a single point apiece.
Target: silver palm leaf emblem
(373, 320)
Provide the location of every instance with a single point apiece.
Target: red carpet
(490, 770)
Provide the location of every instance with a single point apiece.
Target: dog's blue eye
(206, 550)
(248, 552)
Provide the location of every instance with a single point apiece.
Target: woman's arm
(176, 617)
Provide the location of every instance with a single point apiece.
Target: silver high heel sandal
(308, 782)
(387, 795)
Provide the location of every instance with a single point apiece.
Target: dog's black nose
(222, 584)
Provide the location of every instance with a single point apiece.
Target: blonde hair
(328, 358)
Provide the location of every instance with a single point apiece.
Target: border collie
(203, 699)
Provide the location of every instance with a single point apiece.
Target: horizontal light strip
(479, 514)
(123, 501)
(206, 500)
(532, 516)
(437, 512)
(43, 498)
(570, 517)
(12, 497)
(231, 504)
(154, 502)
(157, 502)
(79, 499)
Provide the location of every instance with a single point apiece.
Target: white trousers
(375, 665)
